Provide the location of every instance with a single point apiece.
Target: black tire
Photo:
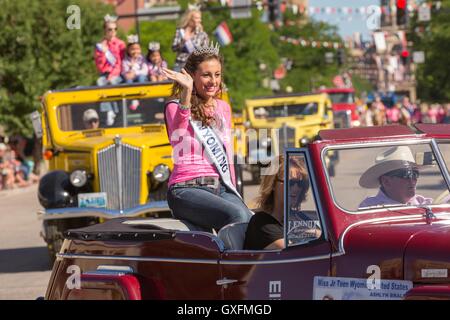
(54, 232)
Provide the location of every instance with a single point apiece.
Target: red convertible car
(382, 226)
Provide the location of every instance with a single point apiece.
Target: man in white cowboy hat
(90, 119)
(395, 172)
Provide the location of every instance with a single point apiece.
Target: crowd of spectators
(16, 171)
(405, 112)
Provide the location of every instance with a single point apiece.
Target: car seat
(233, 235)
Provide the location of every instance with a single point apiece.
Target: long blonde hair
(187, 17)
(266, 198)
(197, 103)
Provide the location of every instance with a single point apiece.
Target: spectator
(155, 63)
(109, 54)
(91, 119)
(188, 36)
(134, 68)
(6, 170)
(380, 112)
(447, 117)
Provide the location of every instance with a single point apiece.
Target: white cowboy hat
(389, 160)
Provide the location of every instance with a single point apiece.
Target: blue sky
(346, 28)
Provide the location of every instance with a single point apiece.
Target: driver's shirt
(381, 198)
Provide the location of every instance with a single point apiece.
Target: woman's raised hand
(183, 78)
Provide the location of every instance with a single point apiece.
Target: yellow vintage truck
(108, 153)
(274, 123)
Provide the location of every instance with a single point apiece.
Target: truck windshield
(342, 97)
(111, 114)
(291, 110)
(388, 176)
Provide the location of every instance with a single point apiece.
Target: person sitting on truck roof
(109, 54)
(134, 66)
(395, 172)
(155, 62)
(91, 119)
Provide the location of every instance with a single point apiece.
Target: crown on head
(132, 38)
(109, 18)
(154, 46)
(194, 7)
(208, 49)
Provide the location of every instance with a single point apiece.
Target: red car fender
(429, 292)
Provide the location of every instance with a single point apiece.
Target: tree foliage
(433, 76)
(40, 53)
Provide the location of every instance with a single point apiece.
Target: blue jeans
(139, 79)
(206, 207)
(103, 81)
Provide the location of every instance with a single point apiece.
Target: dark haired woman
(202, 184)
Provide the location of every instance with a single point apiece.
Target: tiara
(208, 49)
(109, 18)
(132, 38)
(154, 46)
(194, 7)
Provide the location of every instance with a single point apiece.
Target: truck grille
(119, 167)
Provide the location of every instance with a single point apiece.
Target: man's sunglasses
(406, 173)
(93, 121)
(112, 29)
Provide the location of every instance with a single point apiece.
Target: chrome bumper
(64, 213)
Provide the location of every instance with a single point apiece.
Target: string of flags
(313, 43)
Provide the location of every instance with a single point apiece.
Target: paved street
(24, 269)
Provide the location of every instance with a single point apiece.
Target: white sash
(215, 151)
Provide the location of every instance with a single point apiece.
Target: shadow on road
(24, 260)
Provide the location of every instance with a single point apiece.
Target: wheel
(54, 238)
(54, 232)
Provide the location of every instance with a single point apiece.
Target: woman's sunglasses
(293, 182)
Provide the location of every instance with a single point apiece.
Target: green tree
(39, 52)
(433, 76)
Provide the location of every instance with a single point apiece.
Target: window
(302, 217)
(112, 114)
(388, 176)
(291, 110)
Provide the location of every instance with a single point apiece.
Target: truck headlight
(78, 178)
(161, 173)
(304, 141)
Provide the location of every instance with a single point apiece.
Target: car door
(288, 273)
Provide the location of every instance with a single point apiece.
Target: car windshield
(389, 176)
(290, 110)
(342, 97)
(111, 114)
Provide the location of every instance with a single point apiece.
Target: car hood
(401, 246)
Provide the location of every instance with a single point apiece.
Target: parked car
(109, 156)
(377, 251)
(274, 123)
